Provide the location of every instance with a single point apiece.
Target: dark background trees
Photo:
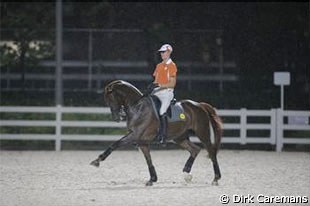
(260, 38)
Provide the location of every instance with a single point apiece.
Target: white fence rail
(243, 126)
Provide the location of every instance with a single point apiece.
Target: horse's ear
(108, 89)
(111, 85)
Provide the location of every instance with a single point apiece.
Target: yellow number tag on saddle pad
(182, 116)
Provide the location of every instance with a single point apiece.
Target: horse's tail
(216, 123)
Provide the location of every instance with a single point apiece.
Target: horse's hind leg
(153, 176)
(204, 136)
(194, 151)
(216, 170)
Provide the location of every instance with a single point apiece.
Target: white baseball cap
(165, 47)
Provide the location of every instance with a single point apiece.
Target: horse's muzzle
(116, 117)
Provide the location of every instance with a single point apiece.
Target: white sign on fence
(281, 78)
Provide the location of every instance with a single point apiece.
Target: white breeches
(165, 96)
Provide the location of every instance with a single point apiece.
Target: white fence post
(279, 143)
(243, 128)
(273, 123)
(58, 128)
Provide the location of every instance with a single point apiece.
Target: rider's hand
(151, 87)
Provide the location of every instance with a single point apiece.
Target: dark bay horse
(142, 126)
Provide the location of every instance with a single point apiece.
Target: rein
(124, 109)
(147, 95)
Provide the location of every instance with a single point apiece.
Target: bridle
(122, 110)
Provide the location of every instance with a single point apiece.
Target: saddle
(175, 111)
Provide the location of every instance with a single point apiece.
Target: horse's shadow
(138, 185)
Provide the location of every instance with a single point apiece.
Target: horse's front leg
(153, 176)
(123, 141)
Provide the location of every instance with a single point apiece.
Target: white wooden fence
(275, 124)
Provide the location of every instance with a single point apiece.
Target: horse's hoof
(187, 177)
(215, 183)
(95, 163)
(149, 183)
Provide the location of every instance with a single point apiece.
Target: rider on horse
(163, 86)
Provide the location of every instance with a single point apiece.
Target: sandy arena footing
(65, 178)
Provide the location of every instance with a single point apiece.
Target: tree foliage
(26, 34)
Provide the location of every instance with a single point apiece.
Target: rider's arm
(170, 84)
(172, 73)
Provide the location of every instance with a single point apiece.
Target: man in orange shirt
(165, 77)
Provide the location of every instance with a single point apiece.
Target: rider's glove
(151, 87)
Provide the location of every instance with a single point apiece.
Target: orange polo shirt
(164, 71)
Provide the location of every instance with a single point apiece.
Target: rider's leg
(163, 128)
(165, 97)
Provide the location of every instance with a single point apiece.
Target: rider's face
(165, 55)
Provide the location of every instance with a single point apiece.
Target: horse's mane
(122, 82)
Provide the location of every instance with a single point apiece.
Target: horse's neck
(131, 98)
(132, 101)
(137, 106)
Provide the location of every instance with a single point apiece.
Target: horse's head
(118, 95)
(113, 100)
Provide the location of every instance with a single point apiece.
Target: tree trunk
(22, 59)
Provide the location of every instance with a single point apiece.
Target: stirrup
(162, 139)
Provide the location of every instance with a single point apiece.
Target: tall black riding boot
(163, 129)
